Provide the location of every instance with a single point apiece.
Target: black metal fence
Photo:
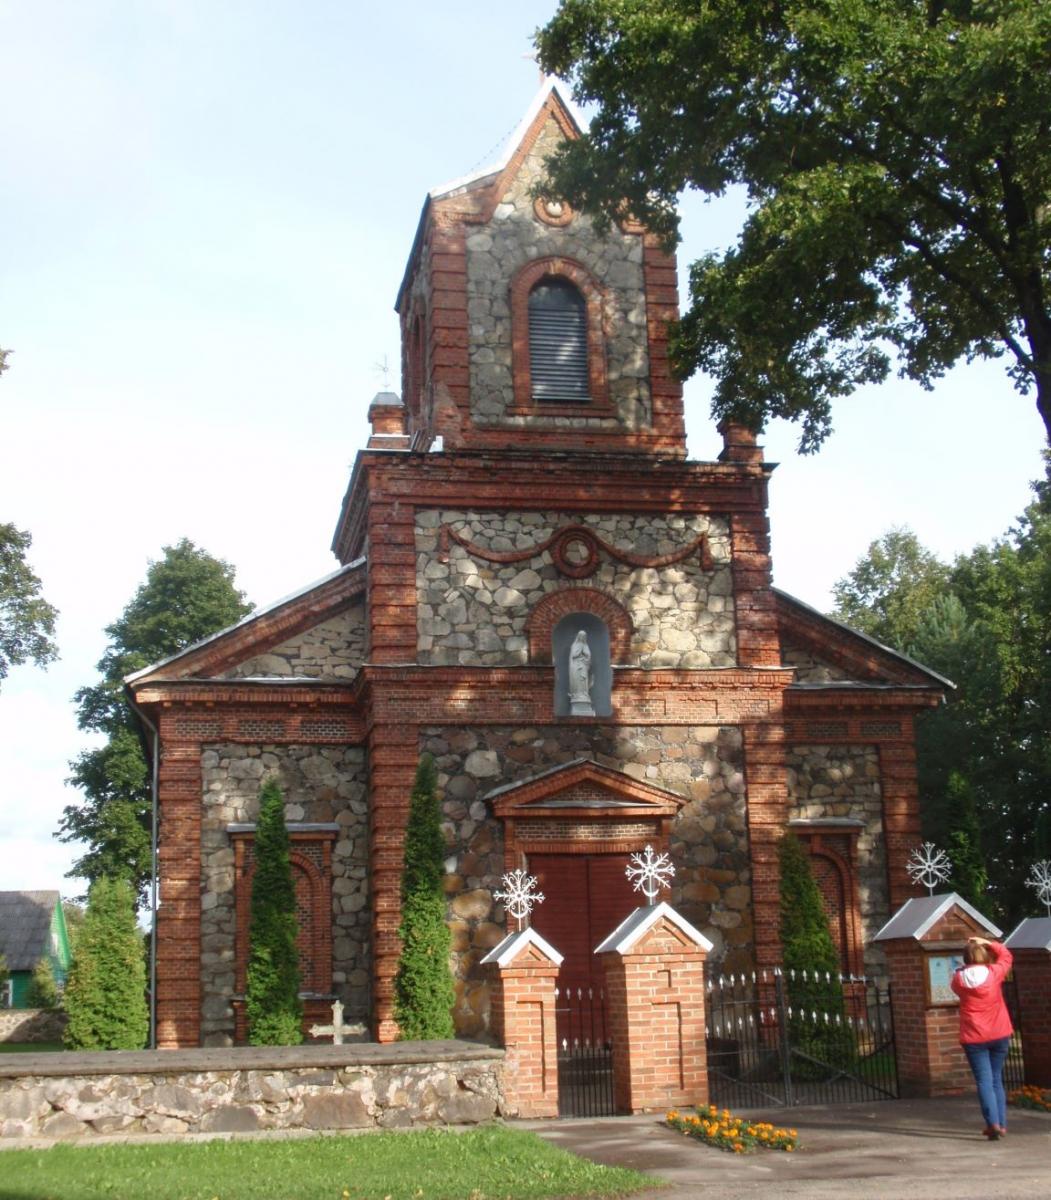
(798, 1038)
(1014, 1068)
(585, 1056)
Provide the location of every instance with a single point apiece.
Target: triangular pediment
(583, 786)
(240, 651)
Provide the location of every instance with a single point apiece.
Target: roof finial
(382, 368)
(533, 55)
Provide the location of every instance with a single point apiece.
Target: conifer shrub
(423, 987)
(42, 991)
(272, 1004)
(811, 966)
(105, 996)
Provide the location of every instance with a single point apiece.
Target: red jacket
(983, 1014)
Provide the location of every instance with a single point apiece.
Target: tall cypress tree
(423, 987)
(105, 996)
(811, 963)
(272, 1003)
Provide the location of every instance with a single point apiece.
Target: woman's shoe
(992, 1132)
(1002, 1130)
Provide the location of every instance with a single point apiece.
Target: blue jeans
(987, 1065)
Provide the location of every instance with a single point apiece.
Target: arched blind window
(558, 343)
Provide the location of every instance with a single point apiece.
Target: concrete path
(912, 1149)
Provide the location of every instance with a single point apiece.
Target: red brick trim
(594, 298)
(549, 611)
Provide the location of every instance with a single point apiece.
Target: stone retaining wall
(250, 1089)
(31, 1024)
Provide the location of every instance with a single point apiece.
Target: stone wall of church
(844, 781)
(332, 651)
(474, 611)
(703, 764)
(810, 668)
(514, 237)
(324, 784)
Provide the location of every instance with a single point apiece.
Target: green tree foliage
(891, 587)
(984, 757)
(186, 596)
(811, 963)
(423, 987)
(897, 163)
(42, 991)
(105, 996)
(272, 1003)
(27, 621)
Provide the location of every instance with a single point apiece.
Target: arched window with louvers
(558, 343)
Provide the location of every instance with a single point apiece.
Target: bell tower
(523, 328)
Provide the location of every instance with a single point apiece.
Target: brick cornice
(526, 799)
(832, 699)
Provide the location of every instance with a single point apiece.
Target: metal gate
(585, 1053)
(798, 1038)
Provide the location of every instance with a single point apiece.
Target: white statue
(581, 680)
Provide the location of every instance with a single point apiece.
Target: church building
(537, 588)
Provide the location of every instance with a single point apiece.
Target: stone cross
(336, 1029)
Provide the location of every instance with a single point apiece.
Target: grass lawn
(29, 1047)
(491, 1163)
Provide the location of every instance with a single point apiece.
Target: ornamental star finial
(649, 873)
(928, 865)
(519, 894)
(1040, 881)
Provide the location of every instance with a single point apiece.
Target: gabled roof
(509, 949)
(839, 643)
(1034, 933)
(25, 927)
(552, 98)
(918, 915)
(641, 921)
(262, 629)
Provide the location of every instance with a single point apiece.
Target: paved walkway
(914, 1149)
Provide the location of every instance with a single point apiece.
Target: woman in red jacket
(985, 1025)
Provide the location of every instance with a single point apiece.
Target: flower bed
(1031, 1097)
(719, 1127)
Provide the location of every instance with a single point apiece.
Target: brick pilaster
(1032, 972)
(767, 790)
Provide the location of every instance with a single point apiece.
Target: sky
(205, 212)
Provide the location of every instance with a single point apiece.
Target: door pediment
(583, 789)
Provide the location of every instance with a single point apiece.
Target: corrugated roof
(25, 927)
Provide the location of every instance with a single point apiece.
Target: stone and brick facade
(480, 524)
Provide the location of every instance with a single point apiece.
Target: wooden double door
(586, 898)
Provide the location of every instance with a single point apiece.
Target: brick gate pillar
(524, 969)
(654, 963)
(1031, 946)
(924, 943)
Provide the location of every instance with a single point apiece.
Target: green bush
(105, 996)
(42, 991)
(423, 987)
(272, 1003)
(811, 965)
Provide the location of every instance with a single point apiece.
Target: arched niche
(562, 637)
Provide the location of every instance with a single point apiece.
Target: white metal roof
(641, 921)
(1034, 933)
(916, 916)
(509, 949)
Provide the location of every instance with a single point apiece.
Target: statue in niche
(580, 676)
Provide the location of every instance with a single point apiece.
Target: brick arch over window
(547, 614)
(314, 940)
(522, 284)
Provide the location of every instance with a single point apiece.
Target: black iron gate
(798, 1038)
(585, 1056)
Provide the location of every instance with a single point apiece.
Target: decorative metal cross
(1040, 881)
(649, 873)
(928, 865)
(519, 894)
(336, 1030)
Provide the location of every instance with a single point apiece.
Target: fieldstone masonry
(322, 784)
(703, 764)
(474, 611)
(514, 237)
(844, 782)
(332, 651)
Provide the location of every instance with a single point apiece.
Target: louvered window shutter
(558, 343)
